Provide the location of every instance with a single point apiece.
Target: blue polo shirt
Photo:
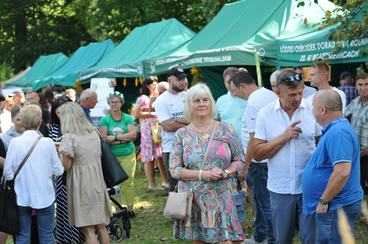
(338, 143)
(230, 109)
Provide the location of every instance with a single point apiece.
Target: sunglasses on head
(293, 78)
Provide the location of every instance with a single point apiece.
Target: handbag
(155, 132)
(9, 216)
(179, 204)
(112, 171)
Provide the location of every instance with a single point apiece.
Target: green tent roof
(142, 43)
(83, 58)
(307, 48)
(44, 66)
(240, 30)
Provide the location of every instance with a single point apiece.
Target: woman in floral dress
(150, 151)
(206, 157)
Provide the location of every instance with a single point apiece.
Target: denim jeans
(172, 181)
(287, 216)
(263, 222)
(326, 223)
(45, 222)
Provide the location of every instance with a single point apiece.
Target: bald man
(331, 179)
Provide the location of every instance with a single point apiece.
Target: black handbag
(113, 173)
(9, 217)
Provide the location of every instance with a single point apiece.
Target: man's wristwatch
(227, 172)
(322, 202)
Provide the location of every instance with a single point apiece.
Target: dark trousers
(172, 181)
(364, 173)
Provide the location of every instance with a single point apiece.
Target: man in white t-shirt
(170, 113)
(243, 85)
(286, 133)
(319, 76)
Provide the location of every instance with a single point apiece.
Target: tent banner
(236, 55)
(292, 52)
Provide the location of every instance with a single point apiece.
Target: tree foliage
(30, 28)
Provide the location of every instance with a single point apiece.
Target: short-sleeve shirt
(230, 109)
(359, 120)
(342, 96)
(169, 106)
(119, 127)
(285, 168)
(338, 144)
(256, 101)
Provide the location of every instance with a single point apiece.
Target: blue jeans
(326, 223)
(45, 222)
(287, 215)
(263, 222)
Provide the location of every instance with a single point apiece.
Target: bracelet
(200, 175)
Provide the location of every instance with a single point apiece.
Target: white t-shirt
(285, 168)
(341, 93)
(256, 101)
(169, 106)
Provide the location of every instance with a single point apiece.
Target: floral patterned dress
(149, 150)
(213, 217)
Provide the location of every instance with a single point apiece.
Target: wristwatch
(227, 172)
(323, 201)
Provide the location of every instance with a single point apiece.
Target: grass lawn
(151, 227)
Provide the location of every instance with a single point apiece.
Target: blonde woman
(33, 185)
(88, 201)
(213, 217)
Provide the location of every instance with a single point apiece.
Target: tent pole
(258, 68)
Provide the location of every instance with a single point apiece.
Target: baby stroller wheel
(116, 232)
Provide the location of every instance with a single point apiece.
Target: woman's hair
(148, 81)
(117, 94)
(55, 104)
(30, 116)
(196, 91)
(73, 120)
(15, 110)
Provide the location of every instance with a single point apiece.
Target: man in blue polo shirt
(331, 179)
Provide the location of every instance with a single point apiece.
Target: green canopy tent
(307, 48)
(142, 43)
(83, 58)
(44, 66)
(242, 29)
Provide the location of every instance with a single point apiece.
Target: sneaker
(155, 188)
(252, 241)
(165, 185)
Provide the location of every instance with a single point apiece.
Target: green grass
(150, 227)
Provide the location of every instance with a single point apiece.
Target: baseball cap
(345, 75)
(177, 72)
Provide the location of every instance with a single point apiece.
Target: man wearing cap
(347, 86)
(170, 113)
(285, 135)
(319, 77)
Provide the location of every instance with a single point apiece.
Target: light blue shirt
(230, 109)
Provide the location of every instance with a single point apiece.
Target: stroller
(119, 227)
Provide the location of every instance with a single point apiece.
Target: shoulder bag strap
(27, 156)
(209, 142)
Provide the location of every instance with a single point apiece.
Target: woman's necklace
(203, 134)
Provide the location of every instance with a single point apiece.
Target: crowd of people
(301, 153)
